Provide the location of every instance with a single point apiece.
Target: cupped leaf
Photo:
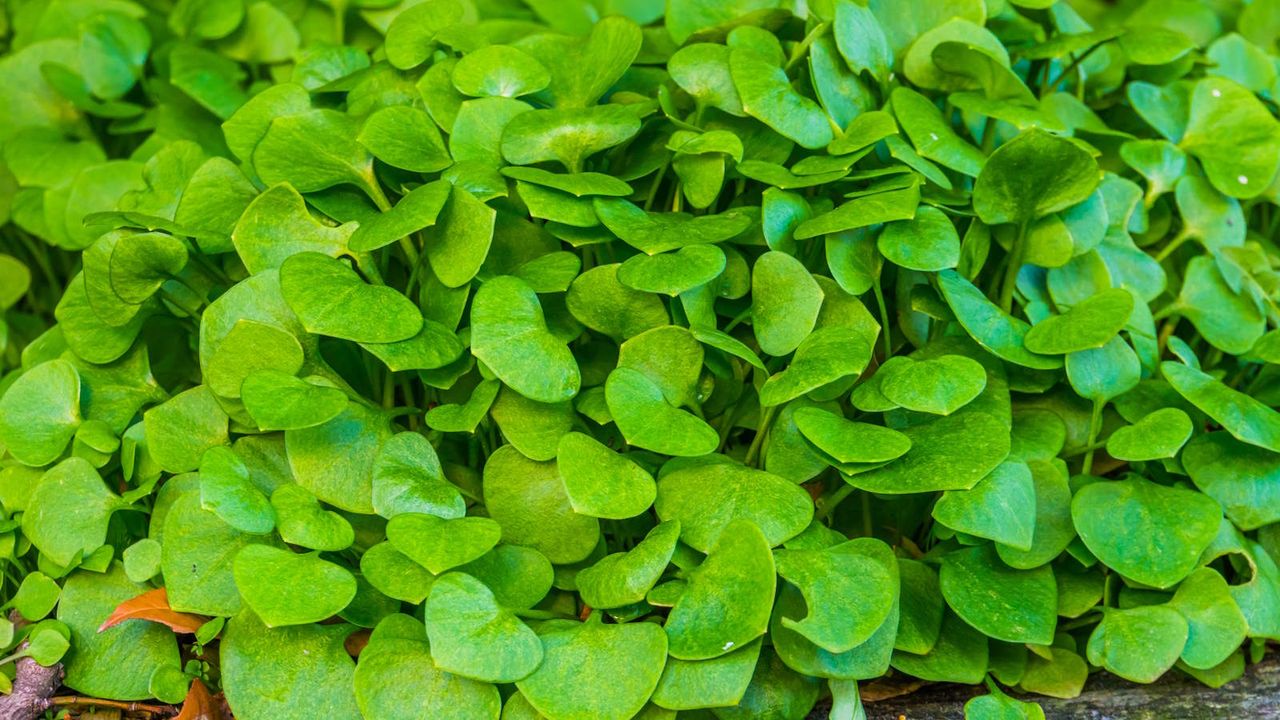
(1031, 176)
(567, 135)
(847, 441)
(862, 585)
(1147, 532)
(728, 598)
(1157, 435)
(600, 482)
(1019, 606)
(940, 385)
(40, 411)
(408, 478)
(1140, 643)
(624, 578)
(329, 298)
(509, 333)
(528, 500)
(647, 419)
(952, 452)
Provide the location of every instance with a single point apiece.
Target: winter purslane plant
(613, 358)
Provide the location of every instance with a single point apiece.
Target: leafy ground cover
(619, 358)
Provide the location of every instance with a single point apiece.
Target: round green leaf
(472, 636)
(1019, 606)
(939, 385)
(927, 242)
(285, 588)
(40, 411)
(863, 586)
(302, 521)
(1086, 325)
(1157, 435)
(1140, 643)
(330, 299)
(602, 483)
(407, 478)
(1148, 532)
(1001, 507)
(576, 655)
(528, 500)
(850, 442)
(952, 452)
(1033, 175)
(648, 420)
(707, 498)
(785, 300)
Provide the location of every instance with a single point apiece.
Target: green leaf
(251, 346)
(346, 479)
(864, 211)
(846, 441)
(827, 355)
(528, 500)
(707, 498)
(313, 150)
(960, 655)
(624, 578)
(1086, 325)
(40, 411)
(285, 588)
(718, 682)
(1244, 417)
(460, 240)
(728, 598)
(419, 209)
(68, 511)
(1001, 507)
(1031, 176)
(940, 385)
(330, 299)
(768, 96)
(36, 596)
(927, 242)
(863, 585)
(601, 483)
(396, 678)
(408, 478)
(1138, 644)
(227, 491)
(654, 233)
(648, 420)
(1019, 606)
(785, 302)
(1158, 435)
(1147, 532)
(181, 429)
(472, 636)
(302, 521)
(1216, 627)
(567, 135)
(438, 544)
(405, 137)
(1002, 335)
(509, 333)
(1233, 136)
(952, 452)
(673, 273)
(1237, 475)
(277, 226)
(94, 666)
(299, 669)
(280, 401)
(575, 656)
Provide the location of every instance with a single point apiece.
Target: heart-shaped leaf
(707, 498)
(438, 544)
(600, 482)
(285, 588)
(624, 578)
(509, 333)
(472, 636)
(330, 299)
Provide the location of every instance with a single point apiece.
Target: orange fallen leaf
(199, 705)
(153, 605)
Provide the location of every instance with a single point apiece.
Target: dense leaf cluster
(610, 358)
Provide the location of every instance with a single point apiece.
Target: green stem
(797, 52)
(1095, 426)
(766, 421)
(829, 505)
(1068, 69)
(1016, 253)
(885, 324)
(1173, 245)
